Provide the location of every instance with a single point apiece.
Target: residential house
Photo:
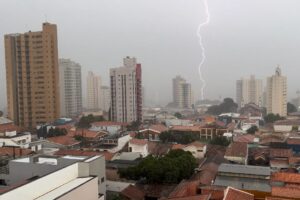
(152, 132)
(235, 194)
(132, 193)
(237, 152)
(64, 141)
(286, 125)
(109, 126)
(138, 146)
(198, 149)
(285, 185)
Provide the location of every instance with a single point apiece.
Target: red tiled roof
(286, 177)
(244, 138)
(281, 153)
(294, 160)
(86, 133)
(237, 149)
(109, 123)
(63, 152)
(215, 192)
(133, 193)
(8, 127)
(178, 146)
(185, 189)
(10, 151)
(235, 194)
(158, 127)
(64, 140)
(293, 141)
(289, 192)
(138, 142)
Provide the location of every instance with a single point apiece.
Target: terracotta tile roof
(197, 197)
(235, 194)
(237, 149)
(158, 127)
(8, 127)
(288, 192)
(133, 193)
(10, 151)
(178, 146)
(63, 152)
(158, 148)
(294, 160)
(293, 141)
(109, 123)
(138, 142)
(86, 133)
(280, 153)
(185, 189)
(64, 140)
(248, 138)
(286, 177)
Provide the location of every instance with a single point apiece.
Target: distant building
(249, 91)
(126, 91)
(105, 98)
(32, 79)
(182, 93)
(93, 91)
(277, 94)
(70, 88)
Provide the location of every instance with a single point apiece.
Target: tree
(171, 168)
(181, 138)
(271, 118)
(228, 105)
(85, 121)
(252, 130)
(291, 108)
(178, 115)
(220, 140)
(134, 126)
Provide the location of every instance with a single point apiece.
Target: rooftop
(64, 140)
(138, 142)
(235, 194)
(245, 169)
(237, 149)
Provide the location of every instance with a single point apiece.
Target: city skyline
(183, 55)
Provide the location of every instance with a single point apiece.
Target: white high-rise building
(93, 91)
(249, 91)
(105, 98)
(70, 88)
(182, 93)
(276, 92)
(126, 91)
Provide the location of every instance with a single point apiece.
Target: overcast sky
(244, 37)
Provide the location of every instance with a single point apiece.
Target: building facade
(249, 91)
(70, 88)
(182, 93)
(105, 98)
(126, 91)
(93, 91)
(32, 77)
(276, 92)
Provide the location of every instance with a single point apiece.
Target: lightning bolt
(203, 56)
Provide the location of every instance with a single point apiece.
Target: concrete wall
(87, 191)
(142, 149)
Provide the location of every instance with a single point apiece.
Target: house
(132, 193)
(242, 177)
(138, 146)
(87, 134)
(64, 141)
(75, 152)
(247, 138)
(294, 144)
(286, 185)
(237, 152)
(235, 194)
(152, 132)
(198, 149)
(286, 125)
(158, 148)
(279, 158)
(109, 126)
(251, 109)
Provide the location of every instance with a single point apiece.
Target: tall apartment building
(182, 93)
(249, 91)
(126, 91)
(32, 79)
(70, 88)
(105, 98)
(276, 92)
(93, 91)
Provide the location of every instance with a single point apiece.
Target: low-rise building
(152, 132)
(198, 149)
(237, 152)
(110, 127)
(285, 185)
(286, 125)
(138, 146)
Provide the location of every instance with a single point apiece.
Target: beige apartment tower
(31, 60)
(182, 93)
(276, 94)
(93, 91)
(249, 91)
